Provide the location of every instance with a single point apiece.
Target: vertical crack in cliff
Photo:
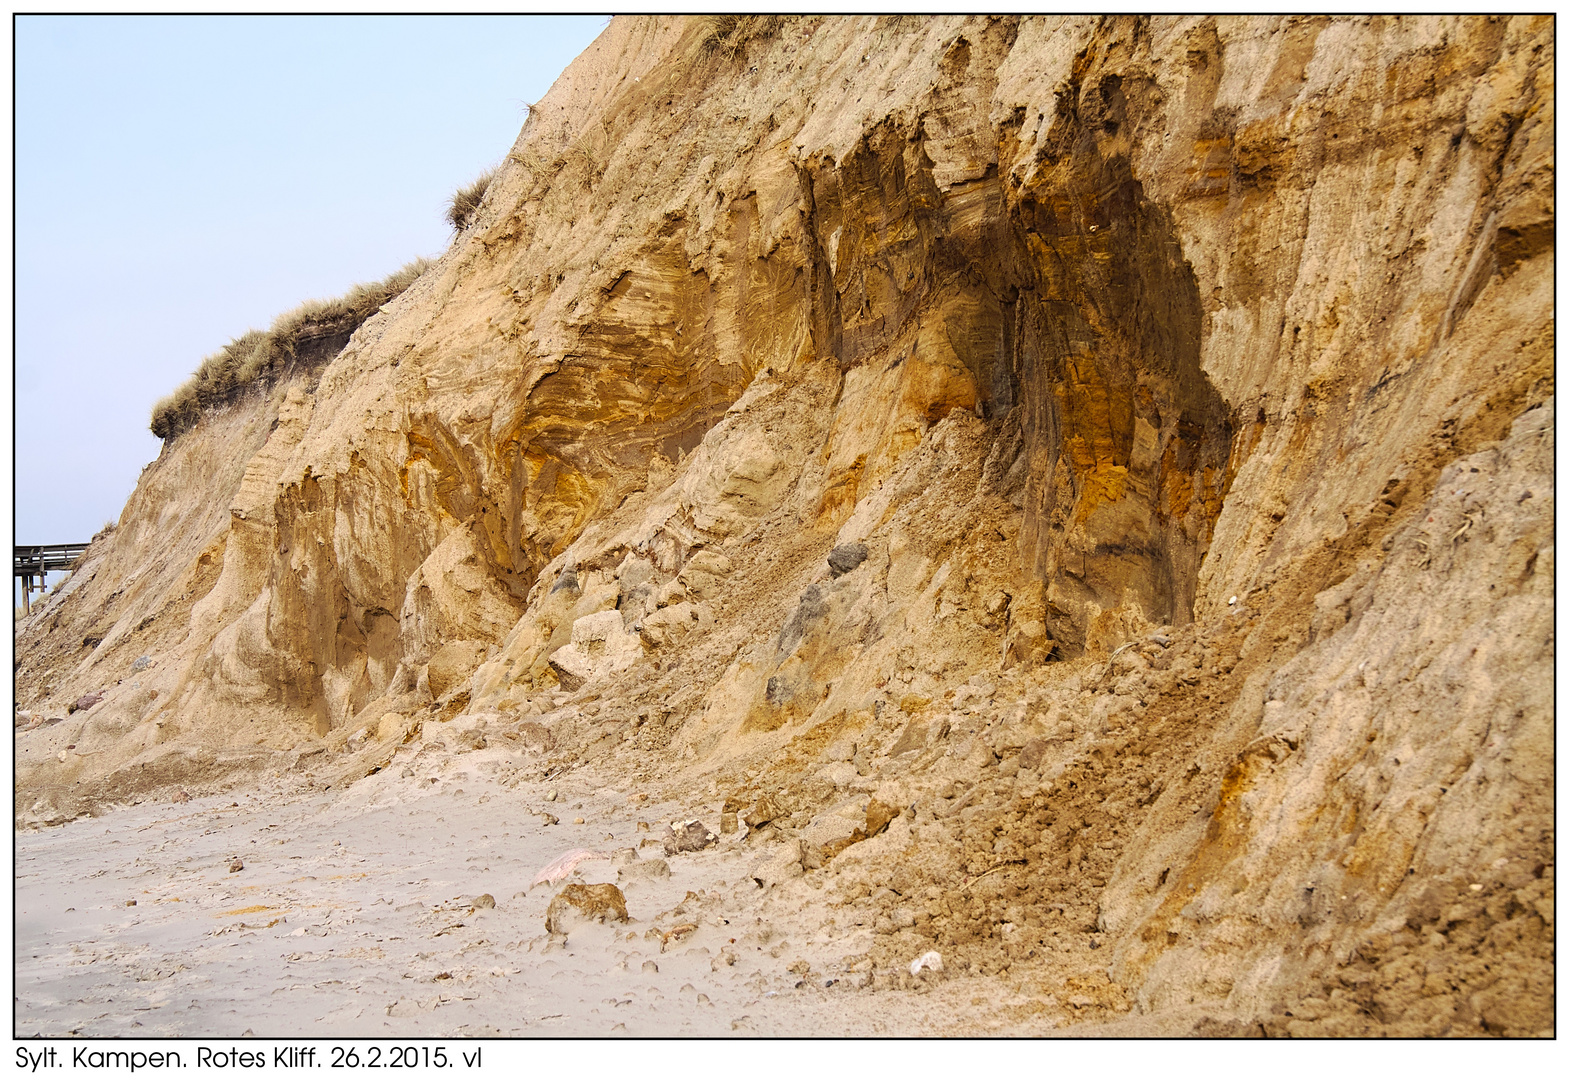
(1067, 298)
(1130, 443)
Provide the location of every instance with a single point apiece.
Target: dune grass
(730, 34)
(259, 357)
(466, 200)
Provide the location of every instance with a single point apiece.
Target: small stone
(141, 663)
(181, 797)
(236, 866)
(130, 903)
(677, 935)
(687, 836)
(650, 968)
(550, 796)
(484, 900)
(912, 739)
(578, 821)
(846, 557)
(878, 815)
(577, 904)
(86, 701)
(767, 809)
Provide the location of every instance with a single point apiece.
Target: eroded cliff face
(1174, 395)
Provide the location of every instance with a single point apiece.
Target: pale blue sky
(180, 180)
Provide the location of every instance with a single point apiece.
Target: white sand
(352, 917)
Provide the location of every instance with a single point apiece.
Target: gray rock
(687, 836)
(142, 663)
(86, 701)
(846, 557)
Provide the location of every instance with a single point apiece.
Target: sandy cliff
(1108, 460)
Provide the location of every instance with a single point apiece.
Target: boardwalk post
(36, 560)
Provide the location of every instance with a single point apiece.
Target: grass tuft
(466, 200)
(729, 34)
(301, 338)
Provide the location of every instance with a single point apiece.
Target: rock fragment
(846, 557)
(86, 701)
(683, 836)
(912, 739)
(577, 904)
(878, 815)
(768, 808)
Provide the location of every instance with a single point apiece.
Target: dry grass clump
(466, 200)
(729, 34)
(258, 357)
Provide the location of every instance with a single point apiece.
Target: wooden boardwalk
(34, 561)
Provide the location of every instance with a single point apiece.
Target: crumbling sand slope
(1072, 484)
